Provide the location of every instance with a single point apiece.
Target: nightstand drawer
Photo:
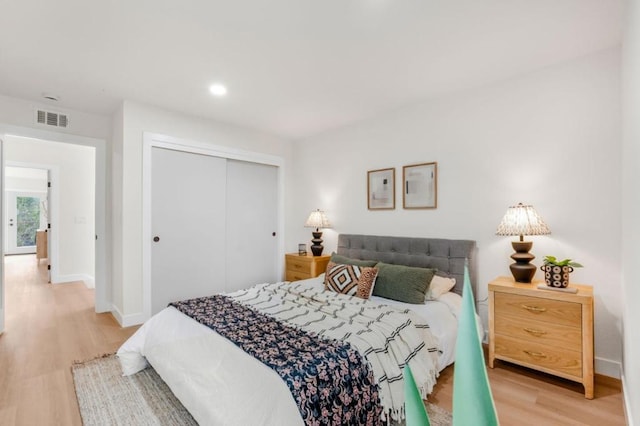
(299, 263)
(297, 275)
(556, 359)
(304, 267)
(540, 309)
(539, 332)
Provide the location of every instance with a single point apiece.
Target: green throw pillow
(343, 260)
(402, 283)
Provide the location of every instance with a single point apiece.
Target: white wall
(631, 210)
(127, 161)
(18, 112)
(14, 183)
(550, 138)
(76, 199)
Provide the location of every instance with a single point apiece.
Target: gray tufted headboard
(445, 255)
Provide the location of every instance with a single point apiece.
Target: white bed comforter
(221, 385)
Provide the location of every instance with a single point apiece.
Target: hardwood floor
(48, 327)
(526, 397)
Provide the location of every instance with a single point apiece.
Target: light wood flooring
(526, 397)
(48, 327)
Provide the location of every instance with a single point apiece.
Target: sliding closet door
(188, 194)
(252, 207)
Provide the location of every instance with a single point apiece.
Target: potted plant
(556, 272)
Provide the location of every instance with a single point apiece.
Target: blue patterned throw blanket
(329, 380)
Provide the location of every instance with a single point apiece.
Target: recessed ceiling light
(218, 89)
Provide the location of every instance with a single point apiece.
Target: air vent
(51, 118)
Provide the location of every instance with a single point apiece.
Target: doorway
(71, 225)
(26, 208)
(88, 219)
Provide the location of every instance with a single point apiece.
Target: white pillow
(439, 286)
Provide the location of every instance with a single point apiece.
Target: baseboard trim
(88, 280)
(625, 399)
(608, 367)
(608, 381)
(127, 320)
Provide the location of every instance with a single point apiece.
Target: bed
(220, 383)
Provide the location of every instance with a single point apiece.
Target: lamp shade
(317, 219)
(522, 220)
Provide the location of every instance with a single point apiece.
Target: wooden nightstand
(303, 267)
(546, 330)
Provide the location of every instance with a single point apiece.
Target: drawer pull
(535, 332)
(534, 308)
(535, 354)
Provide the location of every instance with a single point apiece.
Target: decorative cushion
(402, 283)
(439, 285)
(351, 280)
(336, 258)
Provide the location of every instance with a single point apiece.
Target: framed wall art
(420, 186)
(381, 189)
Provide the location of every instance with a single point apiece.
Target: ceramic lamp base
(316, 243)
(522, 271)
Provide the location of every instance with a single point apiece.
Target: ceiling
(293, 68)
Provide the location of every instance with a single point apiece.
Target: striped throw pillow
(351, 280)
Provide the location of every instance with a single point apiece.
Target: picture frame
(420, 186)
(381, 189)
(302, 249)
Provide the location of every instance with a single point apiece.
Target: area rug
(105, 397)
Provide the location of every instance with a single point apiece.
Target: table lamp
(317, 219)
(522, 220)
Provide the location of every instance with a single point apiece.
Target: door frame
(2, 292)
(154, 140)
(102, 271)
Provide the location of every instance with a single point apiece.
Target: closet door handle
(156, 239)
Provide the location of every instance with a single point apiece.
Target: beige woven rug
(107, 398)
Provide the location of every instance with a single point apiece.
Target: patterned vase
(556, 276)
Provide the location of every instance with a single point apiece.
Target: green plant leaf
(552, 260)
